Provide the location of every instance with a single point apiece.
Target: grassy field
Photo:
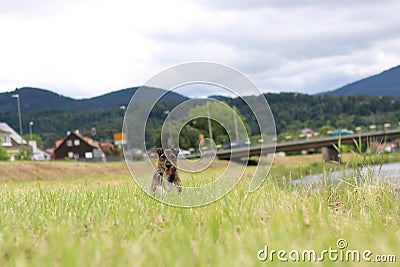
(106, 220)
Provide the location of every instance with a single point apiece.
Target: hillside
(36, 99)
(292, 112)
(54, 115)
(385, 83)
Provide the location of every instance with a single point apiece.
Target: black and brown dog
(166, 170)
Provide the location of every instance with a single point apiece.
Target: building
(76, 146)
(108, 148)
(11, 140)
(307, 133)
(37, 153)
(386, 147)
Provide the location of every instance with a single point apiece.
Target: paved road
(386, 171)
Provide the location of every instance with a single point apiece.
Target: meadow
(107, 220)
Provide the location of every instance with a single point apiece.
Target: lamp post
(209, 122)
(170, 143)
(19, 115)
(236, 126)
(124, 131)
(30, 130)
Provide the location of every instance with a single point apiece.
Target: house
(387, 147)
(37, 153)
(107, 147)
(76, 146)
(50, 151)
(11, 140)
(307, 133)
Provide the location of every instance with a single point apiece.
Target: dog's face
(167, 159)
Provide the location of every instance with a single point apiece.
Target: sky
(85, 48)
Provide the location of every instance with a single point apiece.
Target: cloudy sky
(84, 48)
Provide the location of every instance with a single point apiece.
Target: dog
(166, 170)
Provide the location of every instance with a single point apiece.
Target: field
(77, 214)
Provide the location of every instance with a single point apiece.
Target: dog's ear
(176, 151)
(160, 150)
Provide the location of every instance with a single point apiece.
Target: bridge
(327, 144)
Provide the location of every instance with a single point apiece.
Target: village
(74, 146)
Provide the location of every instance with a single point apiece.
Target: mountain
(53, 114)
(292, 112)
(122, 98)
(36, 99)
(385, 83)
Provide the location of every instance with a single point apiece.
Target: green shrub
(3, 153)
(25, 153)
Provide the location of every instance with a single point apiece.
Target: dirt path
(23, 171)
(33, 170)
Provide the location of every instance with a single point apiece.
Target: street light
(209, 122)
(236, 126)
(170, 131)
(19, 115)
(124, 131)
(30, 130)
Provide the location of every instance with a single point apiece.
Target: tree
(3, 153)
(191, 126)
(36, 138)
(25, 153)
(323, 131)
(224, 122)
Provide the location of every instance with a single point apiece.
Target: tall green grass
(86, 223)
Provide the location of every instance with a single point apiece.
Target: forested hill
(292, 112)
(35, 99)
(385, 83)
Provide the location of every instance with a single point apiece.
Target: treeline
(54, 124)
(292, 112)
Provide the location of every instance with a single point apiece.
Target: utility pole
(170, 141)
(236, 125)
(19, 116)
(124, 131)
(30, 130)
(209, 121)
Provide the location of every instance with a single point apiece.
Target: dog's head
(167, 159)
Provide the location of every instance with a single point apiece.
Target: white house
(37, 153)
(11, 140)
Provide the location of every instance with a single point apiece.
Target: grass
(109, 221)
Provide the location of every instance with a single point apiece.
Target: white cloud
(86, 48)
